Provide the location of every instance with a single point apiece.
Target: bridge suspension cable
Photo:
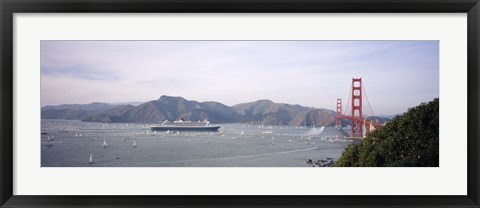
(348, 101)
(369, 106)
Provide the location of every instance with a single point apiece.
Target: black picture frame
(9, 7)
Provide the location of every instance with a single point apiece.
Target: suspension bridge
(360, 127)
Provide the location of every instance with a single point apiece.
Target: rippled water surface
(69, 143)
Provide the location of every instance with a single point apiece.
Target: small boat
(241, 134)
(267, 132)
(90, 161)
(134, 144)
(104, 144)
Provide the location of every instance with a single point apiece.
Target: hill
(112, 115)
(173, 108)
(410, 140)
(269, 113)
(314, 117)
(74, 111)
(95, 106)
(66, 114)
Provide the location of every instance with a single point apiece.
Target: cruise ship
(182, 125)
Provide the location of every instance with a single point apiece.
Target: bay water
(69, 143)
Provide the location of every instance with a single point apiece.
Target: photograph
(239, 103)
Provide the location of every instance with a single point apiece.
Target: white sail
(90, 161)
(104, 143)
(134, 144)
(364, 129)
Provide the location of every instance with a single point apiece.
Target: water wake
(241, 157)
(315, 131)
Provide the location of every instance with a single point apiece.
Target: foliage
(410, 140)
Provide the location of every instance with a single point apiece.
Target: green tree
(410, 140)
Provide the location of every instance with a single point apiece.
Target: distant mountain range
(74, 111)
(171, 108)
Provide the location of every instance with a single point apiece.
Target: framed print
(263, 103)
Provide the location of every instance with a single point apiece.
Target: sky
(396, 75)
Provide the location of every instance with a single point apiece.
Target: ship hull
(185, 128)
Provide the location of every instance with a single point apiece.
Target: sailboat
(91, 159)
(104, 144)
(134, 144)
(241, 134)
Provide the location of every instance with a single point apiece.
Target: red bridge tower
(338, 122)
(357, 130)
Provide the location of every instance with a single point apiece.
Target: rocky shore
(328, 162)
